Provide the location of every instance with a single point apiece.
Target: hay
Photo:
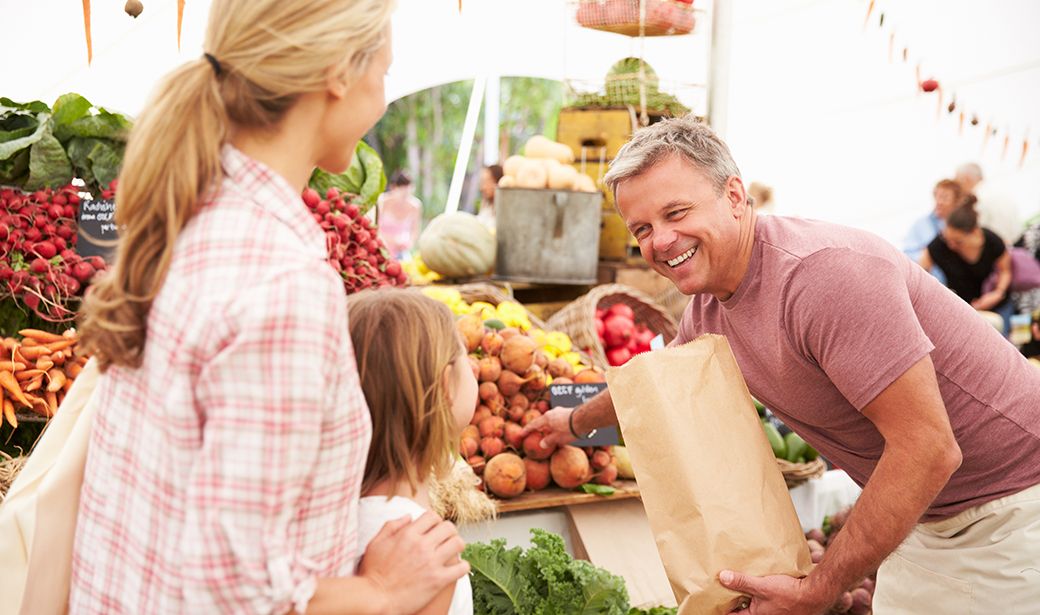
(456, 497)
(9, 469)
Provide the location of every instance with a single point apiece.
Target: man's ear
(736, 195)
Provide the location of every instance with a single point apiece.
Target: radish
(617, 330)
(622, 310)
(82, 272)
(46, 249)
(311, 197)
(39, 265)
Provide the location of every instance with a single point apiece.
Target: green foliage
(544, 580)
(364, 177)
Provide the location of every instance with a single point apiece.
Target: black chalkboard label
(572, 396)
(97, 228)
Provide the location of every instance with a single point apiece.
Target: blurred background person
(997, 211)
(948, 196)
(489, 177)
(400, 215)
(763, 198)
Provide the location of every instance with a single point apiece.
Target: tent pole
(469, 129)
(491, 121)
(719, 66)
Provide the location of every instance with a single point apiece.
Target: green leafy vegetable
(598, 489)
(657, 610)
(48, 163)
(364, 177)
(18, 140)
(544, 580)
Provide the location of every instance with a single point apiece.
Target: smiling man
(875, 363)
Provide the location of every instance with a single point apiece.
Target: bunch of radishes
(860, 596)
(39, 266)
(620, 335)
(355, 249)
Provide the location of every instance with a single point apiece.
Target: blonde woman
(227, 456)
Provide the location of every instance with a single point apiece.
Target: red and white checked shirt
(223, 476)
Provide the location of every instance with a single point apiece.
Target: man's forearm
(595, 413)
(903, 485)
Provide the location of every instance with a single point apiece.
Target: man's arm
(920, 456)
(556, 423)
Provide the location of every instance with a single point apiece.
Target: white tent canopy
(815, 107)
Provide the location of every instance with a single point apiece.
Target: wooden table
(554, 496)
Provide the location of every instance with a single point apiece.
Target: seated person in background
(948, 196)
(400, 214)
(489, 177)
(763, 198)
(1032, 348)
(967, 254)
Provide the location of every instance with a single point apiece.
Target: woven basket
(494, 295)
(662, 17)
(797, 473)
(578, 319)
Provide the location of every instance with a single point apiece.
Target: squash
(562, 177)
(542, 147)
(507, 181)
(584, 183)
(531, 174)
(457, 245)
(512, 165)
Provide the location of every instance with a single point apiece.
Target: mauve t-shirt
(827, 317)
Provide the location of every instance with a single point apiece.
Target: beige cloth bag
(38, 516)
(708, 478)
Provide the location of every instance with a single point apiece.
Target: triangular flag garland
(933, 87)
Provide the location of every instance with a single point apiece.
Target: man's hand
(782, 595)
(555, 424)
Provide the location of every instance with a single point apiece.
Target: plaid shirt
(223, 475)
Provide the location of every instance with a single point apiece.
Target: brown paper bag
(712, 491)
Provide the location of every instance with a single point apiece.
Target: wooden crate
(598, 133)
(613, 238)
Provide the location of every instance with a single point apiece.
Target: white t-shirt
(376, 510)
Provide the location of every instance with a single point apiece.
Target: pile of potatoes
(545, 164)
(514, 375)
(860, 596)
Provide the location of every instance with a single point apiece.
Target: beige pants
(984, 561)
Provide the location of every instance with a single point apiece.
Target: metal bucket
(547, 236)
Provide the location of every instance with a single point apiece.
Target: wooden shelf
(555, 496)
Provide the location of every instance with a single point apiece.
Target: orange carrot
(44, 363)
(42, 337)
(58, 357)
(39, 405)
(9, 384)
(9, 413)
(29, 342)
(60, 345)
(73, 369)
(57, 379)
(34, 352)
(86, 26)
(28, 374)
(68, 385)
(52, 401)
(180, 20)
(11, 366)
(34, 384)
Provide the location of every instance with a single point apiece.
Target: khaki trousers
(984, 561)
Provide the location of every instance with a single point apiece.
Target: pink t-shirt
(827, 317)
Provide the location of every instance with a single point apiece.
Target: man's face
(687, 232)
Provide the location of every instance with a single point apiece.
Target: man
(869, 358)
(997, 211)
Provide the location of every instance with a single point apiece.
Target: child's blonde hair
(403, 341)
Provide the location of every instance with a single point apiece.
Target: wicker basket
(494, 295)
(797, 473)
(661, 18)
(578, 318)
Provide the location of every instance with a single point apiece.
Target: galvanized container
(547, 236)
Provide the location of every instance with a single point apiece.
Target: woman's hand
(988, 301)
(411, 561)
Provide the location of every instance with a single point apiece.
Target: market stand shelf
(554, 496)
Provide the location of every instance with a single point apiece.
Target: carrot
(29, 343)
(42, 337)
(57, 379)
(39, 405)
(11, 366)
(52, 401)
(44, 363)
(67, 386)
(180, 20)
(58, 357)
(9, 384)
(9, 413)
(86, 26)
(34, 384)
(69, 333)
(28, 374)
(10, 344)
(61, 345)
(72, 370)
(16, 356)
(34, 352)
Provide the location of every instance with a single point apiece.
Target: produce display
(544, 579)
(790, 447)
(619, 334)
(861, 594)
(631, 82)
(662, 17)
(37, 371)
(39, 267)
(355, 249)
(514, 364)
(545, 164)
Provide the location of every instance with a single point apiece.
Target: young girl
(421, 391)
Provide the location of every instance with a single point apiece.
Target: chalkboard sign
(97, 228)
(572, 396)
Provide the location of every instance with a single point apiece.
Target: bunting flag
(932, 86)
